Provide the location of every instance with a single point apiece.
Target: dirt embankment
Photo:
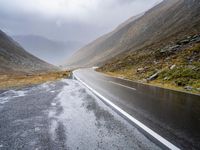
(20, 80)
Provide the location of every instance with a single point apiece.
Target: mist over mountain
(54, 52)
(170, 20)
(67, 20)
(14, 59)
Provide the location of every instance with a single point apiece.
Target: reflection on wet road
(63, 115)
(173, 115)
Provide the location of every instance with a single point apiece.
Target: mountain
(52, 51)
(98, 50)
(168, 21)
(14, 59)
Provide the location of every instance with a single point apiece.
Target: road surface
(173, 115)
(64, 115)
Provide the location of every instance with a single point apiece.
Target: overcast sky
(74, 20)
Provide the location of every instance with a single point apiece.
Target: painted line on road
(122, 85)
(154, 135)
(117, 84)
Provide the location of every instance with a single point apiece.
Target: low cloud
(80, 20)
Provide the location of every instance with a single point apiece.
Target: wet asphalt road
(173, 115)
(63, 115)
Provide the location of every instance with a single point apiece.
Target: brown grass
(185, 74)
(15, 81)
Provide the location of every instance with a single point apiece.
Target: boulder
(172, 67)
(144, 81)
(168, 49)
(188, 88)
(153, 77)
(183, 42)
(140, 70)
(166, 78)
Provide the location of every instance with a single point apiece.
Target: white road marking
(159, 138)
(122, 85)
(117, 84)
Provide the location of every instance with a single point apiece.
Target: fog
(67, 20)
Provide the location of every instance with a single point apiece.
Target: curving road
(173, 115)
(64, 115)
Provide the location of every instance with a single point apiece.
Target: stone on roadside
(140, 70)
(144, 81)
(153, 77)
(188, 88)
(172, 67)
(166, 78)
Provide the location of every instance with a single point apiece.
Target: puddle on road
(77, 119)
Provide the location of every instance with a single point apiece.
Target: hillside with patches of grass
(176, 65)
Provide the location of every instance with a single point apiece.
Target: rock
(195, 38)
(155, 62)
(153, 77)
(186, 41)
(166, 78)
(175, 47)
(164, 50)
(144, 81)
(198, 40)
(172, 67)
(188, 88)
(170, 48)
(121, 77)
(140, 70)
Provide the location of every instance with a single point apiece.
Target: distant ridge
(52, 51)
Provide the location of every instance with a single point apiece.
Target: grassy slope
(141, 64)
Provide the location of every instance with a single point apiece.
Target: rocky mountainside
(174, 66)
(52, 51)
(171, 20)
(14, 59)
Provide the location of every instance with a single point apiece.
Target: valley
(135, 85)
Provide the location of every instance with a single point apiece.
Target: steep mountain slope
(92, 53)
(52, 51)
(170, 58)
(170, 20)
(14, 59)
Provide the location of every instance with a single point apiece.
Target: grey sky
(74, 20)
